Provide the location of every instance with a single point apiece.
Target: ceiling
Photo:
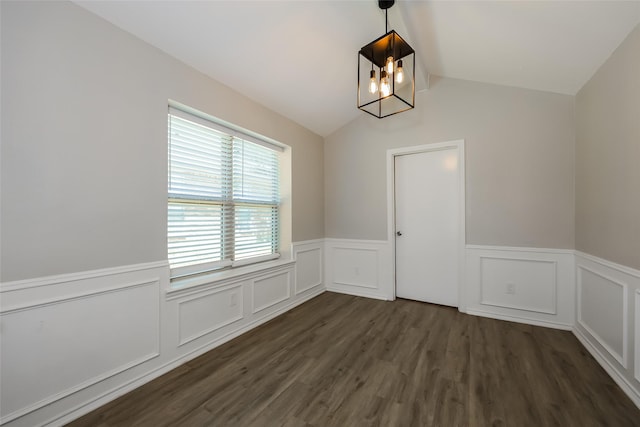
(299, 57)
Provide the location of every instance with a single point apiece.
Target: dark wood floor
(339, 360)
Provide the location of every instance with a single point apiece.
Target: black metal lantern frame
(373, 61)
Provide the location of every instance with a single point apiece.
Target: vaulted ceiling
(299, 57)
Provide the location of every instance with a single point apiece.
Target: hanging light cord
(386, 21)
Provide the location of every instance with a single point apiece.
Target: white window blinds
(223, 197)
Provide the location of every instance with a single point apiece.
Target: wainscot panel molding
(270, 290)
(206, 312)
(598, 293)
(359, 267)
(637, 337)
(608, 318)
(52, 350)
(72, 343)
(309, 267)
(67, 337)
(527, 285)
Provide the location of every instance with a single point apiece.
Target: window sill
(222, 277)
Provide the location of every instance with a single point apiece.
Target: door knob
(399, 233)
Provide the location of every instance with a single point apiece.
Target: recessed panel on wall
(271, 290)
(52, 350)
(637, 336)
(598, 294)
(355, 267)
(522, 284)
(308, 269)
(207, 312)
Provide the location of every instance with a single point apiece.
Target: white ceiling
(299, 57)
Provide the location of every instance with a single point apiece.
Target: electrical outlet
(511, 288)
(233, 300)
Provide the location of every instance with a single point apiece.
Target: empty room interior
(320, 213)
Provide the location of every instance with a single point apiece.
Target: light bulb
(399, 72)
(390, 65)
(373, 83)
(385, 87)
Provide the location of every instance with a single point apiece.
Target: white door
(427, 212)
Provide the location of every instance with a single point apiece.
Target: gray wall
(519, 163)
(608, 156)
(84, 142)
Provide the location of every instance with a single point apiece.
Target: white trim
(521, 249)
(483, 301)
(560, 311)
(628, 379)
(81, 295)
(623, 268)
(521, 319)
(350, 243)
(192, 297)
(118, 391)
(376, 284)
(68, 392)
(613, 372)
(459, 145)
(19, 285)
(103, 376)
(620, 358)
(254, 260)
(625, 376)
(301, 251)
(357, 292)
(308, 242)
(188, 113)
(636, 373)
(220, 278)
(297, 251)
(375, 251)
(254, 309)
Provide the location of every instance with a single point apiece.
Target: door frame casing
(458, 145)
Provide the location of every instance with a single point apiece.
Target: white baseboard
(357, 292)
(521, 319)
(612, 370)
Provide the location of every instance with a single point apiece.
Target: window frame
(228, 205)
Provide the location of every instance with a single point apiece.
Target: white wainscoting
(598, 293)
(54, 349)
(74, 342)
(608, 318)
(309, 265)
(528, 285)
(359, 267)
(270, 290)
(206, 312)
(65, 336)
(637, 337)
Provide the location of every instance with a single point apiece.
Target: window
(223, 199)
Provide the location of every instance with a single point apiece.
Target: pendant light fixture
(390, 57)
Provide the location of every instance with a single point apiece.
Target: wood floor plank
(340, 360)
